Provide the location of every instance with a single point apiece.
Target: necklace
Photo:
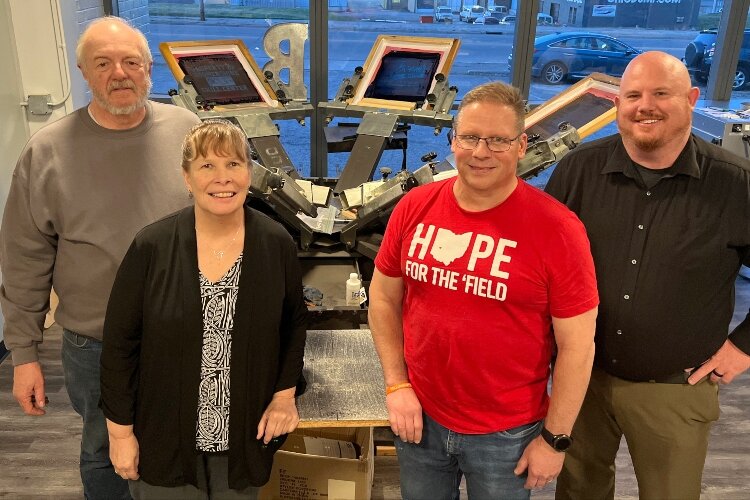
(219, 253)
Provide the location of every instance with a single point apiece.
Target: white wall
(14, 131)
(37, 56)
(41, 54)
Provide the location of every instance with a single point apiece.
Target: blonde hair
(142, 41)
(215, 135)
(497, 93)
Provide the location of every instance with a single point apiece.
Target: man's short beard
(648, 145)
(651, 144)
(124, 110)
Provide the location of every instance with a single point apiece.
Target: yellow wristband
(396, 387)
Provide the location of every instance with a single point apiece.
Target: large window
(247, 20)
(485, 35)
(700, 55)
(177, 20)
(608, 35)
(687, 29)
(572, 38)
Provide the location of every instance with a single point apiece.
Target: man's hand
(405, 415)
(727, 363)
(123, 450)
(542, 463)
(280, 417)
(28, 387)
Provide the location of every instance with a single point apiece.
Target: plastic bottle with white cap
(353, 284)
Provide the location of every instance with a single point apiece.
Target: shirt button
(640, 226)
(619, 332)
(626, 297)
(648, 193)
(633, 261)
(614, 361)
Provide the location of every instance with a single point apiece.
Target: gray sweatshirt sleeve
(28, 244)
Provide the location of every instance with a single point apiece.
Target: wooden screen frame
(597, 84)
(385, 44)
(172, 51)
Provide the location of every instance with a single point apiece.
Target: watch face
(562, 442)
(559, 442)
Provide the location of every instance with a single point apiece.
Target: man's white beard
(124, 110)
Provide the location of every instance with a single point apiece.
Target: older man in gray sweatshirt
(82, 188)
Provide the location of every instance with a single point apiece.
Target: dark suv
(700, 52)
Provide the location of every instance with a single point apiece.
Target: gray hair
(143, 42)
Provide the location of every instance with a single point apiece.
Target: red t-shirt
(480, 292)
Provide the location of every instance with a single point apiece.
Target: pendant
(219, 254)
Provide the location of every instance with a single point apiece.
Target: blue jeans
(80, 359)
(432, 469)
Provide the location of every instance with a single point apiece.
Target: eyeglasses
(494, 144)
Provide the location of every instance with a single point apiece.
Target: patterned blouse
(218, 300)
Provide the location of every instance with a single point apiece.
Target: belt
(680, 377)
(674, 378)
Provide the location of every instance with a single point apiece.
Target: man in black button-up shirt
(668, 217)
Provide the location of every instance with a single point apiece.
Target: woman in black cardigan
(206, 299)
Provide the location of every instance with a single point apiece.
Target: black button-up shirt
(666, 257)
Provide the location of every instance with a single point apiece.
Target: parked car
(700, 52)
(471, 14)
(508, 20)
(544, 19)
(559, 56)
(492, 18)
(443, 15)
(500, 9)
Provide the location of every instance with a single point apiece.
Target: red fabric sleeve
(388, 260)
(572, 283)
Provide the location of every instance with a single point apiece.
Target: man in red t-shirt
(479, 280)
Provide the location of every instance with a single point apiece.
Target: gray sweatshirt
(79, 194)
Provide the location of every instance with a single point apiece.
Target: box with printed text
(312, 464)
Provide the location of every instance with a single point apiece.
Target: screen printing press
(728, 128)
(338, 224)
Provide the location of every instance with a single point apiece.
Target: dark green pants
(666, 427)
(213, 480)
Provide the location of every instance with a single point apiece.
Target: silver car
(471, 14)
(443, 15)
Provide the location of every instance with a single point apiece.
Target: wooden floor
(39, 455)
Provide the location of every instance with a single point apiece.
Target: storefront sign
(603, 10)
(644, 1)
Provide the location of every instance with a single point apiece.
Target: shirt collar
(619, 161)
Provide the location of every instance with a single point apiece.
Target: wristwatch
(558, 442)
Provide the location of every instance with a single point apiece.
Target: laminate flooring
(39, 455)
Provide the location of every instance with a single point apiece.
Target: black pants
(213, 482)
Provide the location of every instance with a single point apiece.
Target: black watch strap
(558, 442)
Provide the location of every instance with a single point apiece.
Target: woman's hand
(280, 417)
(123, 450)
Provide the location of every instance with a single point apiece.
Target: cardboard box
(325, 447)
(298, 476)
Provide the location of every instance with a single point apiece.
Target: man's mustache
(121, 84)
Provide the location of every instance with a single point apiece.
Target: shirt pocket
(692, 245)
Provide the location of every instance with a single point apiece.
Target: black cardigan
(153, 335)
